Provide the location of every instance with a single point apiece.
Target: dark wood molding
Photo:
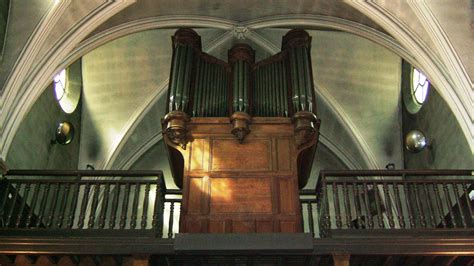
(461, 246)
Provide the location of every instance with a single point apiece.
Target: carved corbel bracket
(175, 128)
(306, 128)
(240, 122)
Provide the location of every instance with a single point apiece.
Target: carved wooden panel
(264, 226)
(287, 188)
(229, 187)
(246, 226)
(283, 154)
(229, 154)
(199, 154)
(195, 195)
(240, 195)
(289, 226)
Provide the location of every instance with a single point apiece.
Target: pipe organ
(241, 135)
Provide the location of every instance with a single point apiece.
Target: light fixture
(415, 141)
(64, 133)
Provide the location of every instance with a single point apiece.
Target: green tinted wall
(31, 147)
(450, 149)
(4, 7)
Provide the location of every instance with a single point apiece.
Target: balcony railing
(82, 202)
(94, 203)
(395, 201)
(91, 215)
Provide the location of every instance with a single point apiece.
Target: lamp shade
(415, 141)
(64, 133)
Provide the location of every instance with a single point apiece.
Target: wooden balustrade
(367, 202)
(80, 200)
(353, 202)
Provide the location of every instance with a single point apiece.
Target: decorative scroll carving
(240, 122)
(175, 127)
(306, 128)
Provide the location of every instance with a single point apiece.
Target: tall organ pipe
(185, 44)
(297, 45)
(241, 58)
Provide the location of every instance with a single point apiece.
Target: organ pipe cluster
(204, 86)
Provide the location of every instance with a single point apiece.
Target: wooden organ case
(241, 135)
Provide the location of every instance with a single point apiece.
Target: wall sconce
(64, 133)
(415, 141)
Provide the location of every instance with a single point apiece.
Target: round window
(60, 85)
(68, 86)
(415, 88)
(419, 86)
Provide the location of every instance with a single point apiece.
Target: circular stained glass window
(419, 86)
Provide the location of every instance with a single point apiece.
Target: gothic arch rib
(19, 96)
(453, 84)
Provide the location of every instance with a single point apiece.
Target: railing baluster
(419, 205)
(430, 206)
(5, 197)
(105, 203)
(326, 212)
(34, 200)
(43, 204)
(133, 220)
(310, 218)
(357, 205)
(12, 208)
(388, 204)
(113, 213)
(456, 195)
(23, 203)
(171, 220)
(72, 208)
(157, 222)
(439, 204)
(123, 216)
(145, 206)
(85, 201)
(337, 208)
(369, 217)
(52, 211)
(377, 204)
(95, 201)
(347, 205)
(468, 202)
(62, 208)
(363, 204)
(450, 205)
(398, 205)
(409, 207)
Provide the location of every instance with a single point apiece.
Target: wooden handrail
(410, 172)
(124, 173)
(386, 173)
